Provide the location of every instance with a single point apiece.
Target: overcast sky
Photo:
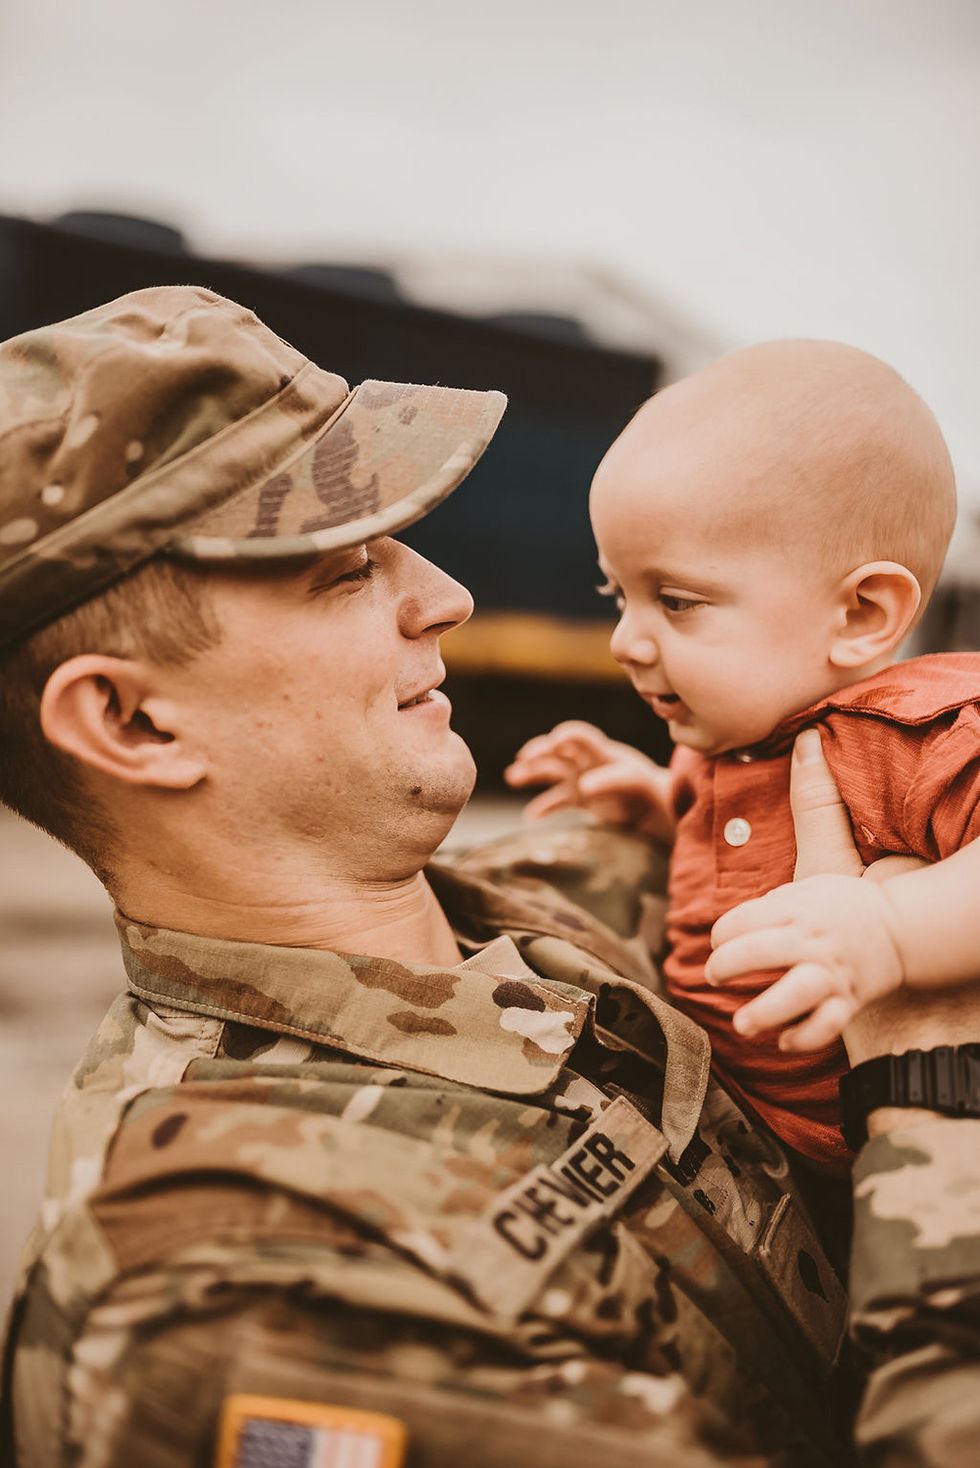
(770, 167)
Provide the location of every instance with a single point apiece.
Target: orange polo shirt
(904, 747)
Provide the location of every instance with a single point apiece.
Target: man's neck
(399, 919)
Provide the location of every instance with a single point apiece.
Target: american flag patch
(275, 1432)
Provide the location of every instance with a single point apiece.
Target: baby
(771, 528)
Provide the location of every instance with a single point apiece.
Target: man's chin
(459, 789)
(448, 784)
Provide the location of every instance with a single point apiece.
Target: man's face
(726, 623)
(318, 712)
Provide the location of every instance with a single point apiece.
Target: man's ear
(877, 604)
(102, 712)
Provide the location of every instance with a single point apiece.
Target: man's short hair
(161, 613)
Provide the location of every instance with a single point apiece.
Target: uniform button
(737, 831)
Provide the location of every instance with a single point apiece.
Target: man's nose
(433, 601)
(630, 645)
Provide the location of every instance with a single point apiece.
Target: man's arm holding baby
(915, 1269)
(846, 943)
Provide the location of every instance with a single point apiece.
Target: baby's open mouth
(663, 704)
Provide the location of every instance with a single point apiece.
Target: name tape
(506, 1256)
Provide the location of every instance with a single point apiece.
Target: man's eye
(360, 573)
(363, 572)
(678, 603)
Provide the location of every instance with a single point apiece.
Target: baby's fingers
(541, 770)
(615, 779)
(826, 1024)
(770, 911)
(557, 798)
(765, 948)
(541, 744)
(577, 745)
(795, 994)
(587, 737)
(572, 732)
(585, 752)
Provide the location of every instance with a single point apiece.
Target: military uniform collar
(530, 909)
(497, 1033)
(458, 1023)
(480, 909)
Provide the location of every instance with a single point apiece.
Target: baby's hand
(832, 934)
(584, 768)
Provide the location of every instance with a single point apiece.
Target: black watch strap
(946, 1079)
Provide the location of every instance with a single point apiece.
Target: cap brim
(389, 455)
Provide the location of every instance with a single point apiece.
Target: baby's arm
(846, 942)
(586, 769)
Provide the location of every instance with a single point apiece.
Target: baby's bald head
(808, 444)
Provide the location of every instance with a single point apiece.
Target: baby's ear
(877, 604)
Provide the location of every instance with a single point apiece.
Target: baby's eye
(609, 588)
(677, 604)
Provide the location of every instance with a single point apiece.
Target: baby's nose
(628, 646)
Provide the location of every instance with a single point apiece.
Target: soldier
(380, 1161)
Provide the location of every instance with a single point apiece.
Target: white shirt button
(737, 831)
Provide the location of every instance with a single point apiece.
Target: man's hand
(833, 933)
(584, 768)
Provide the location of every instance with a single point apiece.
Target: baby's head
(771, 526)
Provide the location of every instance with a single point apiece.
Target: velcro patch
(275, 1432)
(506, 1256)
(804, 1282)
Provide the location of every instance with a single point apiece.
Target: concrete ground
(59, 970)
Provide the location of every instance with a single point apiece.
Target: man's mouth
(430, 694)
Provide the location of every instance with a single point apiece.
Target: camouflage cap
(173, 421)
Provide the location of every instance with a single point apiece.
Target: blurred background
(575, 203)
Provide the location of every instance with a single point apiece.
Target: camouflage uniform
(504, 1203)
(500, 1202)
(915, 1294)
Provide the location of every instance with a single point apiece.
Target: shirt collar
(911, 692)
